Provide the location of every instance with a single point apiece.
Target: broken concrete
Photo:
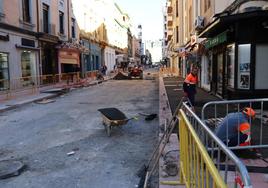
(9, 168)
(121, 76)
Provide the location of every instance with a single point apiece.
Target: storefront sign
(4, 36)
(68, 57)
(221, 38)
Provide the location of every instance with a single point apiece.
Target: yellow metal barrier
(196, 167)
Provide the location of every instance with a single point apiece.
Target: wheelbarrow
(113, 117)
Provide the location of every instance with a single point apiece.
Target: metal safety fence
(214, 112)
(34, 83)
(200, 167)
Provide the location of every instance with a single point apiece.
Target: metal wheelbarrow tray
(112, 117)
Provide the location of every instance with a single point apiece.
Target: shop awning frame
(222, 23)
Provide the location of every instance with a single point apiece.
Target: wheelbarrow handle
(135, 118)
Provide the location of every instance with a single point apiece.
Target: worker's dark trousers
(234, 140)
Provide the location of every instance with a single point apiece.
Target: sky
(148, 13)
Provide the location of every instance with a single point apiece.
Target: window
(207, 5)
(27, 68)
(61, 3)
(93, 62)
(26, 11)
(230, 58)
(73, 28)
(45, 18)
(243, 66)
(261, 78)
(1, 8)
(177, 9)
(190, 18)
(177, 34)
(61, 21)
(4, 72)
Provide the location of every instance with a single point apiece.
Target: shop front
(28, 67)
(206, 71)
(68, 60)
(237, 49)
(95, 52)
(85, 58)
(19, 60)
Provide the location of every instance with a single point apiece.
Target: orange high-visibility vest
(191, 78)
(244, 128)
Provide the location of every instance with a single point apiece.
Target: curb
(12, 107)
(165, 115)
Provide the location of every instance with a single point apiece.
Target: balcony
(47, 32)
(169, 21)
(169, 9)
(169, 34)
(47, 28)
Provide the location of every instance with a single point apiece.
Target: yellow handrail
(196, 167)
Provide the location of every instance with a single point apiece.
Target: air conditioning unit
(199, 22)
(265, 7)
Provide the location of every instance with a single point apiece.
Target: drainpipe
(39, 46)
(68, 14)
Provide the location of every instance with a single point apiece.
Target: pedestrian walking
(104, 69)
(189, 85)
(237, 126)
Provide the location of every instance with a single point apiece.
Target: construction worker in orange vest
(189, 85)
(238, 126)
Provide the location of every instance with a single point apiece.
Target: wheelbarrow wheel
(108, 130)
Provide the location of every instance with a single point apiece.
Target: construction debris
(45, 101)
(10, 168)
(56, 90)
(71, 153)
(121, 76)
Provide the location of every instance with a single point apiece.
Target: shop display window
(230, 58)
(27, 68)
(243, 66)
(261, 78)
(4, 72)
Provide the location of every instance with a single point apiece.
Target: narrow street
(42, 135)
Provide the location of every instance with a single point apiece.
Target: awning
(223, 23)
(68, 61)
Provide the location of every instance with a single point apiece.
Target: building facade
(227, 40)
(236, 49)
(32, 34)
(19, 50)
(104, 29)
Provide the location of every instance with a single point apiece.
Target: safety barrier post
(197, 169)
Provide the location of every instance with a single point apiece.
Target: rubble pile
(120, 76)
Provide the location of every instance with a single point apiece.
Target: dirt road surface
(42, 135)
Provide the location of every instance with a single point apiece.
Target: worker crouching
(234, 129)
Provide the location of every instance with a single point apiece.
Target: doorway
(219, 88)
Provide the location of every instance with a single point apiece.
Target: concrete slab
(10, 168)
(14, 103)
